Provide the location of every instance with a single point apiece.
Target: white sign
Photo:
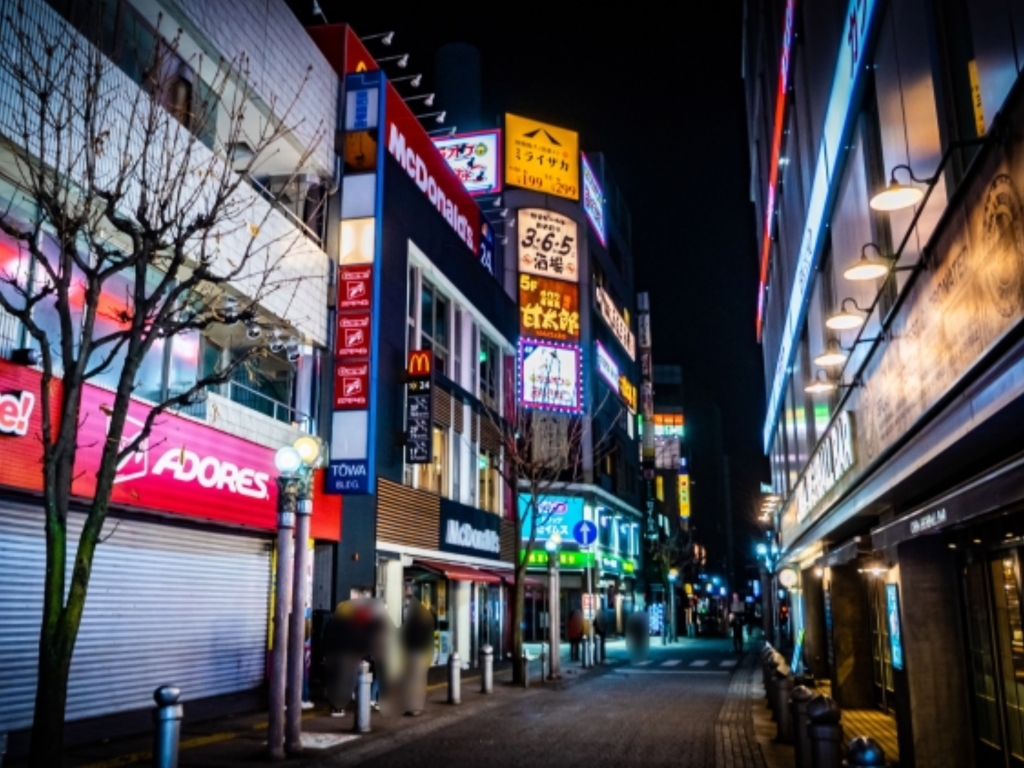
(15, 412)
(593, 201)
(927, 522)
(607, 367)
(475, 158)
(464, 535)
(829, 463)
(606, 307)
(549, 376)
(547, 244)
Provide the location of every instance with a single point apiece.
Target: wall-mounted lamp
(820, 384)
(438, 116)
(384, 37)
(896, 197)
(414, 80)
(869, 267)
(443, 131)
(844, 320)
(428, 99)
(402, 61)
(833, 355)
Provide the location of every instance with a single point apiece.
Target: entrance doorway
(881, 649)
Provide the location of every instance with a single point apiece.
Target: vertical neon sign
(773, 171)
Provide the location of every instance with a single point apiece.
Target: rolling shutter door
(166, 604)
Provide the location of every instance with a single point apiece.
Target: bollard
(167, 719)
(825, 732)
(769, 690)
(587, 652)
(766, 657)
(543, 657)
(486, 669)
(798, 700)
(363, 681)
(865, 752)
(454, 679)
(783, 713)
(526, 670)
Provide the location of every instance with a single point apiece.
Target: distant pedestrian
(736, 624)
(574, 629)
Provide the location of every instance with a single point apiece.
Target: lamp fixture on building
(428, 99)
(443, 131)
(844, 320)
(869, 267)
(414, 80)
(833, 355)
(820, 385)
(402, 61)
(896, 197)
(384, 37)
(438, 116)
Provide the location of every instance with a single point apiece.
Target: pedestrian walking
(736, 623)
(575, 631)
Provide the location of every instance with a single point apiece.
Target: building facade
(890, 325)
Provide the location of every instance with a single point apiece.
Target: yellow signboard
(684, 495)
(542, 157)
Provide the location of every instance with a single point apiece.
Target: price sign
(419, 407)
(547, 244)
(542, 157)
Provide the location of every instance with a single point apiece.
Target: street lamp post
(553, 545)
(295, 504)
(673, 575)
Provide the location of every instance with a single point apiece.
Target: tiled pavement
(736, 744)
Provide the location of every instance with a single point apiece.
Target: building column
(461, 625)
(934, 715)
(815, 640)
(852, 681)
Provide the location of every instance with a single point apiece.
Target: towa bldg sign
(833, 459)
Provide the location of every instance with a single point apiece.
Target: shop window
(434, 325)
(434, 477)
(489, 482)
(490, 373)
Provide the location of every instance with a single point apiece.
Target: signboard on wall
(892, 602)
(547, 244)
(475, 158)
(355, 286)
(616, 321)
(832, 459)
(353, 336)
(419, 407)
(542, 157)
(469, 531)
(593, 201)
(550, 376)
(554, 514)
(684, 495)
(351, 386)
(549, 309)
(607, 367)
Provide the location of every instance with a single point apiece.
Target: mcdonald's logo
(421, 362)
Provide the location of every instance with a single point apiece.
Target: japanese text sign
(547, 244)
(352, 386)
(554, 514)
(611, 314)
(419, 409)
(549, 309)
(355, 287)
(550, 376)
(684, 496)
(593, 201)
(542, 157)
(475, 158)
(353, 339)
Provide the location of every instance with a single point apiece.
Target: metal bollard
(825, 732)
(599, 649)
(783, 714)
(587, 653)
(543, 657)
(486, 669)
(363, 681)
(526, 670)
(766, 657)
(769, 690)
(865, 752)
(167, 719)
(454, 679)
(798, 700)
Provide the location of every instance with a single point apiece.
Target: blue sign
(554, 513)
(585, 532)
(892, 599)
(348, 476)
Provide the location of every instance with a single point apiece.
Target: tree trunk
(51, 699)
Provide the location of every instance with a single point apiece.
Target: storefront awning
(460, 572)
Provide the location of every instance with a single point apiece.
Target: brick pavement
(736, 744)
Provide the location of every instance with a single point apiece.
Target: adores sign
(15, 412)
(409, 144)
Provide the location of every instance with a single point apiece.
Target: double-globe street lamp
(296, 464)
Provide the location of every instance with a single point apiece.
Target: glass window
(490, 482)
(434, 476)
(490, 373)
(434, 321)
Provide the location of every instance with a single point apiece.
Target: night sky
(662, 97)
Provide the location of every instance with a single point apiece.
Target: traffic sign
(585, 533)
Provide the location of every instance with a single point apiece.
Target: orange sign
(548, 309)
(421, 362)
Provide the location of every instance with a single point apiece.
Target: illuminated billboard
(607, 367)
(475, 158)
(549, 309)
(542, 157)
(547, 244)
(550, 376)
(593, 201)
(555, 514)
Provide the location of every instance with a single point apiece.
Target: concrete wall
(815, 641)
(936, 726)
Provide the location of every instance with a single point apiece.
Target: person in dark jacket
(574, 629)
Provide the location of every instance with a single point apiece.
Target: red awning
(460, 572)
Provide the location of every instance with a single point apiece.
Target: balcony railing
(261, 403)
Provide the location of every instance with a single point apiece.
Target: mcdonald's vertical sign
(419, 407)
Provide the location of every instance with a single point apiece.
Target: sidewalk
(241, 739)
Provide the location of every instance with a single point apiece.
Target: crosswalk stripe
(643, 663)
(701, 663)
(672, 662)
(728, 663)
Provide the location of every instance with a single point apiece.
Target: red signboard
(355, 286)
(351, 386)
(183, 468)
(342, 48)
(353, 339)
(409, 144)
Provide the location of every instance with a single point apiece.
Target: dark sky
(661, 95)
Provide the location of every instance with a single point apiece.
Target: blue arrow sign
(585, 532)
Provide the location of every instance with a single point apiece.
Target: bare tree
(127, 201)
(541, 455)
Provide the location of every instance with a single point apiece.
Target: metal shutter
(166, 604)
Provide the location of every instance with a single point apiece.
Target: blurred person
(574, 629)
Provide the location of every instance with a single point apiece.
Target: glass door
(881, 650)
(988, 731)
(1009, 631)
